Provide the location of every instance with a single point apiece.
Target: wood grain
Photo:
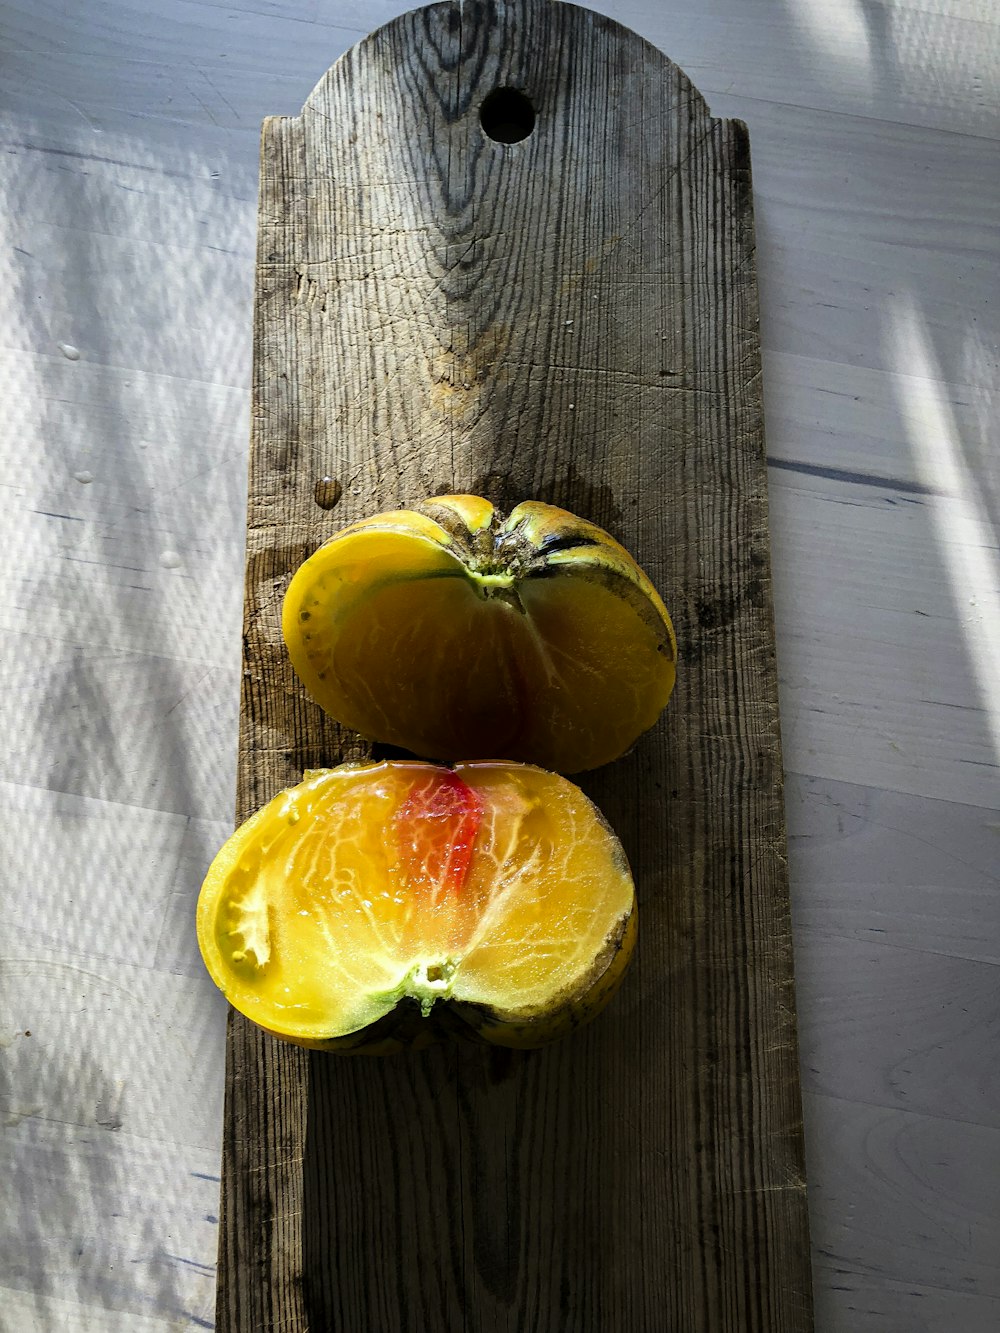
(941, 1249)
(573, 318)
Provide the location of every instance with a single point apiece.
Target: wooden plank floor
(129, 135)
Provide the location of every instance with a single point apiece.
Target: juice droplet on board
(327, 492)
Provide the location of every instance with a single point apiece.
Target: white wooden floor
(128, 131)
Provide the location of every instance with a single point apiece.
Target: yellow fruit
(454, 633)
(376, 905)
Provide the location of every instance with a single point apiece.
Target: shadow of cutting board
(566, 311)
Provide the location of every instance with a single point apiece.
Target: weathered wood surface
(572, 317)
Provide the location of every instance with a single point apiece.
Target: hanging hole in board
(507, 115)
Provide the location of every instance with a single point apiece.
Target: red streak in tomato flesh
(436, 829)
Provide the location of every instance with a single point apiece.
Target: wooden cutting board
(565, 311)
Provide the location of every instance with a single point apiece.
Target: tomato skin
(456, 633)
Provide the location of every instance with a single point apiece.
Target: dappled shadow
(878, 302)
(887, 569)
(126, 332)
(98, 1217)
(129, 376)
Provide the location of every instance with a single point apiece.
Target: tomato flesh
(435, 831)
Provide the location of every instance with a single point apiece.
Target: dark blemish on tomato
(559, 543)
